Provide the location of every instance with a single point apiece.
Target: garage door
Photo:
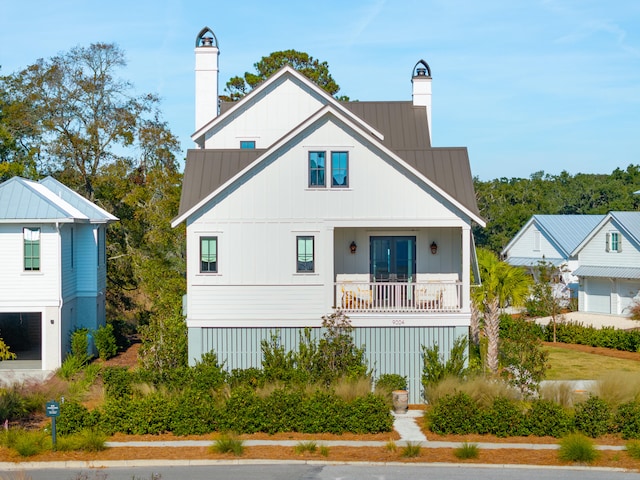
(598, 295)
(627, 289)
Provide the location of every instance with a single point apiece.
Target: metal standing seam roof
(630, 221)
(405, 132)
(22, 199)
(568, 231)
(608, 272)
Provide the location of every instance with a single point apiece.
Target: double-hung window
(304, 254)
(208, 254)
(317, 169)
(339, 169)
(31, 239)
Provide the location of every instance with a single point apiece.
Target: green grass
(412, 450)
(228, 443)
(571, 365)
(302, 447)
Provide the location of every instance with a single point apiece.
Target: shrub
(302, 447)
(105, 342)
(505, 418)
(80, 345)
(627, 420)
(411, 450)
(455, 414)
(577, 448)
(228, 443)
(193, 412)
(547, 418)
(70, 367)
(12, 404)
(324, 412)
(388, 382)
(368, 414)
(243, 412)
(28, 442)
(435, 368)
(633, 449)
(208, 373)
(73, 418)
(249, 377)
(87, 440)
(467, 451)
(593, 417)
(324, 450)
(117, 382)
(634, 310)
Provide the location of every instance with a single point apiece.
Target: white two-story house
(297, 204)
(53, 274)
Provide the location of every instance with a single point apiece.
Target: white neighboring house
(297, 204)
(551, 239)
(610, 264)
(53, 275)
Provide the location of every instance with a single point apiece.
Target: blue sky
(526, 85)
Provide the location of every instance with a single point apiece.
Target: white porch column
(466, 269)
(327, 249)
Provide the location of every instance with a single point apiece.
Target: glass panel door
(393, 258)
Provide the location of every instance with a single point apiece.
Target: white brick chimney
(206, 77)
(421, 93)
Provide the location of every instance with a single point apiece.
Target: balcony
(437, 293)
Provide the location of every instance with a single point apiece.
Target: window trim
(201, 239)
(38, 243)
(345, 168)
(300, 238)
(311, 170)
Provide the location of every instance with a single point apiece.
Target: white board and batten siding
(257, 225)
(276, 110)
(387, 350)
(534, 244)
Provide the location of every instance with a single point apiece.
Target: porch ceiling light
(353, 247)
(434, 248)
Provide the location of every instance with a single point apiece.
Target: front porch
(429, 293)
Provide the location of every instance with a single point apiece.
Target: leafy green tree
(78, 110)
(543, 301)
(317, 71)
(502, 285)
(164, 343)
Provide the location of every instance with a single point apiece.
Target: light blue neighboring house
(553, 239)
(53, 275)
(598, 255)
(609, 271)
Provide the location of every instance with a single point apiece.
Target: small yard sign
(52, 410)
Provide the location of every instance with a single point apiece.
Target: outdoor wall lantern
(353, 247)
(434, 248)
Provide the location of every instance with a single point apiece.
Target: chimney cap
(421, 69)
(206, 38)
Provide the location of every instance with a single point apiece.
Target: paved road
(326, 472)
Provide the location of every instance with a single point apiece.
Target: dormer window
(614, 242)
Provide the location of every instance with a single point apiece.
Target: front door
(392, 258)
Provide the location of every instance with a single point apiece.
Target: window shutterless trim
(305, 254)
(317, 167)
(208, 255)
(339, 169)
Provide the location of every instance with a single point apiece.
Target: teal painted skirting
(388, 350)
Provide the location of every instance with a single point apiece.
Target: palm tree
(502, 285)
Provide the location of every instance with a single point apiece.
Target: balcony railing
(389, 297)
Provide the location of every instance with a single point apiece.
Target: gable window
(536, 240)
(304, 254)
(317, 168)
(339, 169)
(208, 254)
(31, 238)
(614, 242)
(247, 144)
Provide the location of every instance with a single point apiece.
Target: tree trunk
(474, 327)
(492, 331)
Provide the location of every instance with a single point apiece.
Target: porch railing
(386, 297)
